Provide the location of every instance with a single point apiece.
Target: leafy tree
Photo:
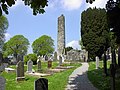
(36, 5)
(3, 27)
(95, 33)
(43, 45)
(90, 1)
(32, 57)
(17, 46)
(68, 49)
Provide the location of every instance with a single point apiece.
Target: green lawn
(57, 81)
(98, 78)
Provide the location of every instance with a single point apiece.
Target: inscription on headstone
(41, 84)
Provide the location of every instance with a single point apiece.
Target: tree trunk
(119, 56)
(105, 64)
(113, 57)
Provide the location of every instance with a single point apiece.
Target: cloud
(74, 44)
(71, 4)
(17, 3)
(98, 4)
(7, 36)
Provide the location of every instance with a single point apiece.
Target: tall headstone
(61, 35)
(39, 65)
(60, 60)
(2, 83)
(20, 71)
(97, 62)
(55, 56)
(46, 58)
(41, 84)
(29, 66)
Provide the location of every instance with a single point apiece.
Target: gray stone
(39, 65)
(55, 56)
(2, 67)
(2, 83)
(29, 66)
(46, 58)
(41, 84)
(20, 71)
(97, 62)
(61, 35)
(9, 70)
(60, 60)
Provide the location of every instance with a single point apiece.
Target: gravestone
(41, 84)
(49, 64)
(29, 66)
(20, 71)
(55, 56)
(60, 60)
(46, 58)
(63, 59)
(39, 65)
(2, 83)
(97, 62)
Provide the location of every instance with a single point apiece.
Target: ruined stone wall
(61, 35)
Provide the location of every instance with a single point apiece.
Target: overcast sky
(22, 21)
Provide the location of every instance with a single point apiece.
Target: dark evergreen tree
(95, 33)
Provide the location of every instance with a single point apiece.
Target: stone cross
(97, 62)
(29, 66)
(2, 83)
(20, 71)
(41, 84)
(60, 60)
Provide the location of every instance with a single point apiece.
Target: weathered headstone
(60, 60)
(97, 62)
(55, 56)
(20, 71)
(41, 84)
(39, 65)
(2, 83)
(29, 66)
(46, 58)
(63, 59)
(49, 64)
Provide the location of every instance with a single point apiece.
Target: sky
(23, 22)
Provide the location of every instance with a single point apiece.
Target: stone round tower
(61, 35)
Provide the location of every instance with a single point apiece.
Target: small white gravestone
(97, 62)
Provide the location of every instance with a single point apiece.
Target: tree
(32, 57)
(3, 28)
(81, 44)
(113, 14)
(17, 47)
(43, 45)
(36, 5)
(95, 33)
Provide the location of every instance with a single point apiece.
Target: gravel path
(78, 79)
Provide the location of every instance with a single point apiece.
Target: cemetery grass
(98, 78)
(57, 81)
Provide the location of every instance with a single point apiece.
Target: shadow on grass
(81, 82)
